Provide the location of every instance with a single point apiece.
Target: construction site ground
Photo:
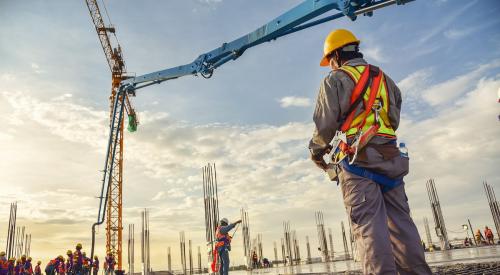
(474, 260)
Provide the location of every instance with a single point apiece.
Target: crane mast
(114, 163)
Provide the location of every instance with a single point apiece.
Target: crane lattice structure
(114, 163)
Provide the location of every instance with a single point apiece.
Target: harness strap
(384, 181)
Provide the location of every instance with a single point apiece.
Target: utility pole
(245, 229)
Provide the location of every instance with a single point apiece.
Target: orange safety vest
(222, 239)
(376, 93)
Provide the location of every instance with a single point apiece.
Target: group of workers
(76, 263)
(487, 239)
(22, 266)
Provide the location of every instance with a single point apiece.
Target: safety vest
(376, 94)
(222, 239)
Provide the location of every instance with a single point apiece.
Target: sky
(253, 118)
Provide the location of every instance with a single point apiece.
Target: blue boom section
(291, 21)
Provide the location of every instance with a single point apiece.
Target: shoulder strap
(358, 93)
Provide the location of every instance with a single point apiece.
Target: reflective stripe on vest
(222, 239)
(382, 97)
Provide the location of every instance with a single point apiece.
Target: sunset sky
(253, 118)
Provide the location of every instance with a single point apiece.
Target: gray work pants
(224, 261)
(386, 237)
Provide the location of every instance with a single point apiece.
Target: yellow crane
(114, 225)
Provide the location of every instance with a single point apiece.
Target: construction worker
(95, 265)
(479, 237)
(4, 264)
(363, 104)
(69, 262)
(86, 264)
(38, 269)
(110, 263)
(18, 269)
(78, 260)
(53, 265)
(11, 266)
(28, 267)
(223, 244)
(489, 235)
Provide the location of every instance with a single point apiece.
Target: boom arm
(294, 20)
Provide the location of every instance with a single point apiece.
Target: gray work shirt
(333, 102)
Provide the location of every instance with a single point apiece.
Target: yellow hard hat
(2, 254)
(60, 257)
(95, 257)
(69, 252)
(23, 257)
(336, 40)
(79, 246)
(29, 258)
(39, 262)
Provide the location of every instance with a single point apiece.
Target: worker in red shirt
(38, 269)
(489, 235)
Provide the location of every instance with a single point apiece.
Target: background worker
(4, 264)
(223, 245)
(386, 236)
(110, 263)
(78, 260)
(489, 235)
(95, 265)
(28, 267)
(69, 262)
(479, 237)
(38, 268)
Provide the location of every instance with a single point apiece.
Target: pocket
(355, 205)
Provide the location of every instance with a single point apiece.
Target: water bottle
(403, 150)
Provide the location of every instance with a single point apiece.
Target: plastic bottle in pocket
(403, 150)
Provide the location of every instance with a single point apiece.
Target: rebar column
(11, 231)
(190, 259)
(211, 203)
(288, 242)
(438, 215)
(199, 261)
(283, 254)
(427, 233)
(344, 238)
(130, 249)
(169, 260)
(145, 250)
(183, 252)
(309, 260)
(494, 206)
(330, 237)
(320, 226)
(245, 229)
(275, 253)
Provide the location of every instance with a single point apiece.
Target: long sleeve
(227, 228)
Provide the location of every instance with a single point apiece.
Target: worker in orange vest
(223, 244)
(489, 235)
(358, 110)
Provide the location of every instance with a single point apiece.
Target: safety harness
(362, 128)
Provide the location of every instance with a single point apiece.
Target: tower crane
(302, 16)
(114, 159)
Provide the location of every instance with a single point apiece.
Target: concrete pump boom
(296, 19)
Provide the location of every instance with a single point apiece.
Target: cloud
(458, 33)
(294, 101)
(158, 196)
(375, 53)
(448, 90)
